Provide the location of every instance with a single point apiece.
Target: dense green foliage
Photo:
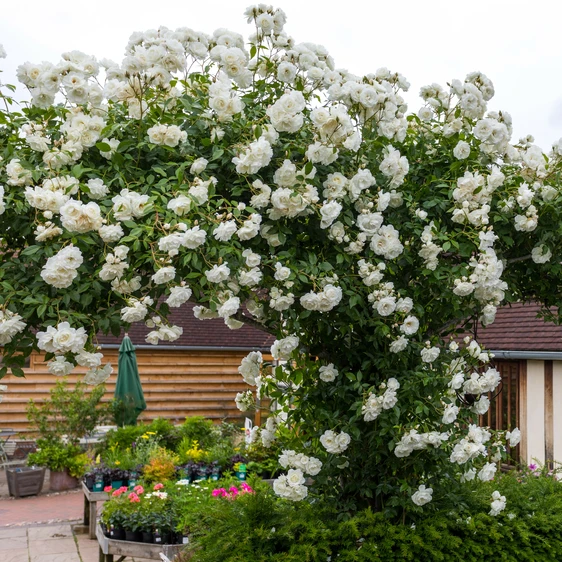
(260, 528)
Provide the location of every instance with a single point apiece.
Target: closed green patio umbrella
(128, 390)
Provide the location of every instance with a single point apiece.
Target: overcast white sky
(516, 43)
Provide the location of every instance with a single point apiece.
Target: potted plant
(25, 481)
(66, 463)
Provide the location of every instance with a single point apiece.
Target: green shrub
(204, 431)
(264, 528)
(58, 457)
(69, 411)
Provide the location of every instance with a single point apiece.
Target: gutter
(188, 347)
(532, 355)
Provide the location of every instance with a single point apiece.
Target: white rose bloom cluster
(429, 250)
(62, 339)
(335, 443)
(129, 204)
(374, 404)
(62, 268)
(471, 446)
(77, 217)
(89, 359)
(300, 461)
(498, 504)
(137, 309)
(527, 222)
(10, 325)
(323, 301)
(245, 401)
(291, 486)
(52, 194)
(162, 332)
(34, 137)
(167, 135)
(414, 441)
(282, 349)
(482, 383)
(17, 174)
(256, 156)
(328, 373)
(111, 233)
(125, 287)
(378, 95)
(223, 100)
(386, 242)
(98, 375)
(115, 264)
(280, 301)
(422, 495)
(59, 366)
(250, 367)
(286, 113)
(229, 306)
(394, 166)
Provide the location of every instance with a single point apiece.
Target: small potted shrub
(66, 463)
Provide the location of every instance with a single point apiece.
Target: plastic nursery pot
(133, 536)
(241, 476)
(147, 537)
(117, 534)
(98, 486)
(90, 482)
(199, 478)
(115, 484)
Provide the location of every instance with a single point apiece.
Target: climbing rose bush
(259, 181)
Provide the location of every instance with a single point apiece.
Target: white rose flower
(514, 437)
(461, 151)
(487, 472)
(430, 354)
(282, 349)
(164, 275)
(423, 495)
(410, 325)
(328, 373)
(218, 273)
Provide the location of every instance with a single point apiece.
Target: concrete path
(50, 543)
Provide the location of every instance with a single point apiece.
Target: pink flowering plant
(259, 181)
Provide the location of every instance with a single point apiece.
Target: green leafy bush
(261, 527)
(58, 457)
(69, 411)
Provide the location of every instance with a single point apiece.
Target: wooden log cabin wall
(198, 375)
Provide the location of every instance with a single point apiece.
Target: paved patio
(48, 543)
(45, 528)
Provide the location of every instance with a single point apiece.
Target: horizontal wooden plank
(176, 384)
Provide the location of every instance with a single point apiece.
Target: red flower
(133, 497)
(107, 489)
(158, 486)
(139, 489)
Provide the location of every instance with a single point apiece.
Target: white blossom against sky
(516, 43)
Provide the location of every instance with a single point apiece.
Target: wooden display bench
(109, 548)
(91, 509)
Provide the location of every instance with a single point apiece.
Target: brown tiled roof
(517, 328)
(199, 333)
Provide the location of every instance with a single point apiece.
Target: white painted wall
(535, 412)
(557, 407)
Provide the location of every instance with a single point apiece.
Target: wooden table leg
(92, 516)
(86, 512)
(101, 555)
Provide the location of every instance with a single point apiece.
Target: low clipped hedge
(262, 528)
